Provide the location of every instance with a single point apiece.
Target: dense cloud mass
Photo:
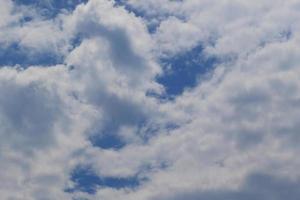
(86, 112)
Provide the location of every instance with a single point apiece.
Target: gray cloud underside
(233, 136)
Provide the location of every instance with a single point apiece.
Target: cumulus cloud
(233, 135)
(38, 117)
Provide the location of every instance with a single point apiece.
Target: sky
(149, 99)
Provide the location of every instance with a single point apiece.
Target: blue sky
(86, 181)
(149, 100)
(184, 70)
(50, 8)
(16, 55)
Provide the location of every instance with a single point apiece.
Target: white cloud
(38, 117)
(235, 129)
(6, 13)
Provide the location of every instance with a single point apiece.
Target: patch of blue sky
(25, 19)
(182, 71)
(76, 40)
(85, 180)
(14, 54)
(108, 141)
(50, 8)
(109, 137)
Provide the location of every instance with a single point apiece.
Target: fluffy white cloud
(233, 134)
(38, 118)
(48, 113)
